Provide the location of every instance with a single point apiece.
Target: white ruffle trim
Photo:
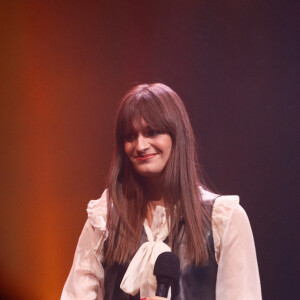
(97, 212)
(206, 195)
(223, 208)
(97, 216)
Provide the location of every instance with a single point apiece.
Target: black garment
(195, 282)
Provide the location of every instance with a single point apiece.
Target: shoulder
(97, 211)
(228, 219)
(222, 202)
(224, 207)
(226, 210)
(207, 195)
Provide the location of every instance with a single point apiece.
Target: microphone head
(167, 267)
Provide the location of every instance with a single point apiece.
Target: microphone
(167, 271)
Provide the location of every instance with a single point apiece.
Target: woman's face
(148, 150)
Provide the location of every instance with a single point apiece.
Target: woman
(156, 202)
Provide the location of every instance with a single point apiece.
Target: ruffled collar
(139, 275)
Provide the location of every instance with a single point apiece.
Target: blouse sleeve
(86, 278)
(238, 276)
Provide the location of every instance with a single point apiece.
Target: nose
(141, 143)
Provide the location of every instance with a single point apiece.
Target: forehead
(137, 125)
(141, 116)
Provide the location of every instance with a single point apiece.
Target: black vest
(195, 282)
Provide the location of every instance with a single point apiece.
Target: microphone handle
(162, 290)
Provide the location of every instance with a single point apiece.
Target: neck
(154, 196)
(154, 189)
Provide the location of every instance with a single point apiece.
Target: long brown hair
(162, 109)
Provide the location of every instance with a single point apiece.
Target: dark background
(64, 67)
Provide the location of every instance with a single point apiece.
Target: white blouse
(237, 277)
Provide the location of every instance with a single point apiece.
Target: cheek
(169, 153)
(167, 146)
(127, 148)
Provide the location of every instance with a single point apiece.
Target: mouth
(145, 156)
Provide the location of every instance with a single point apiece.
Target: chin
(148, 173)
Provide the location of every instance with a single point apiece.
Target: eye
(130, 137)
(153, 133)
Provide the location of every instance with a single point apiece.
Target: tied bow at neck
(139, 275)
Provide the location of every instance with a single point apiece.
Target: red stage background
(65, 66)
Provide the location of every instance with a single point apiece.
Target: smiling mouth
(145, 157)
